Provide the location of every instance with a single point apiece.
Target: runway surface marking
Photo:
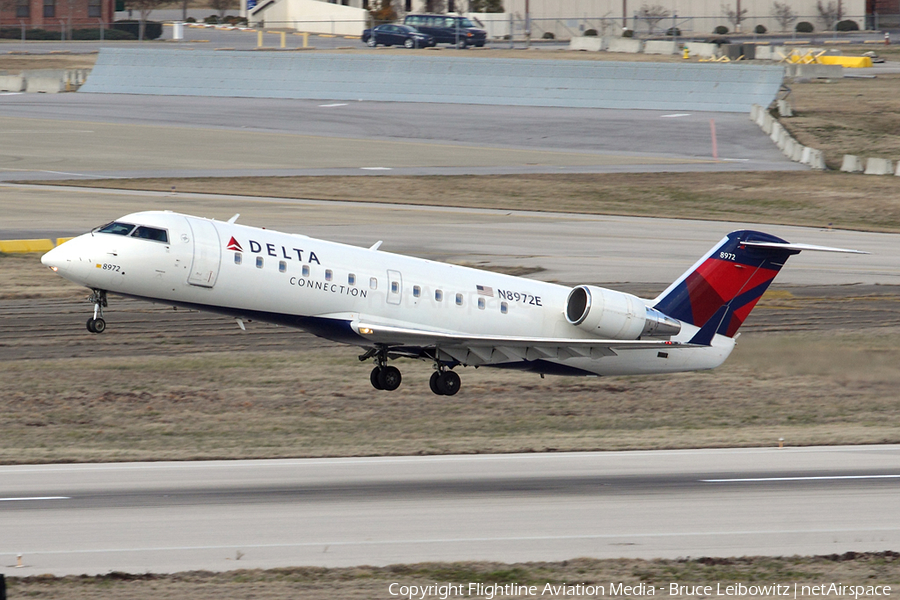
(675, 116)
(536, 538)
(332, 105)
(35, 498)
(809, 478)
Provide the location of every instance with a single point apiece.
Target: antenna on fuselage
(233, 219)
(376, 245)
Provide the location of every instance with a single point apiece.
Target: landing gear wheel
(375, 379)
(96, 325)
(389, 378)
(433, 383)
(448, 383)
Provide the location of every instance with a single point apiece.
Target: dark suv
(448, 29)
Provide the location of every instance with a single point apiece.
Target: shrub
(629, 33)
(760, 29)
(211, 20)
(848, 25)
(190, 20)
(548, 35)
(152, 30)
(590, 33)
(720, 30)
(15, 33)
(804, 27)
(94, 34)
(673, 31)
(235, 20)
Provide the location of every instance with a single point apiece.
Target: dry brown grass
(16, 63)
(847, 116)
(793, 198)
(177, 385)
(311, 583)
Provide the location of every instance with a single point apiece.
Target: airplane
(396, 306)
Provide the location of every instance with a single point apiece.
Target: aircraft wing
(478, 349)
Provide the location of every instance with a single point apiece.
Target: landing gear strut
(384, 377)
(97, 324)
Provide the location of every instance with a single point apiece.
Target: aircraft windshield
(116, 228)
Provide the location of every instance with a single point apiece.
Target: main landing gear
(443, 382)
(96, 324)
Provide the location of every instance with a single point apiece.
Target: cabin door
(207, 253)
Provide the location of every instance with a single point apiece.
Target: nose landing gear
(97, 324)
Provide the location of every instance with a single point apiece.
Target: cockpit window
(116, 228)
(151, 233)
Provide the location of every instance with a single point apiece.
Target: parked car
(397, 35)
(449, 29)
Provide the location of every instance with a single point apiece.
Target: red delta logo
(234, 245)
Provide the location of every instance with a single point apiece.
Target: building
(56, 14)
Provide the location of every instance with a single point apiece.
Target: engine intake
(615, 315)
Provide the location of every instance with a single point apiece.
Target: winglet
(704, 337)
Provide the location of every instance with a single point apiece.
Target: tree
(829, 14)
(222, 7)
(486, 6)
(144, 8)
(652, 15)
(784, 15)
(735, 16)
(382, 11)
(435, 6)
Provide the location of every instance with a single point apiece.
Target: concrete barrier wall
(589, 43)
(508, 82)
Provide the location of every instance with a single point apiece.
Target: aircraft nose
(55, 259)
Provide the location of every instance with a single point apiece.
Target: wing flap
(485, 349)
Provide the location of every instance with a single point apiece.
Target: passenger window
(373, 283)
(328, 274)
(282, 266)
(438, 295)
(259, 262)
(481, 303)
(351, 279)
(395, 287)
(504, 308)
(151, 233)
(459, 299)
(305, 270)
(237, 258)
(417, 291)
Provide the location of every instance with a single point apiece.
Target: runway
(71, 136)
(166, 517)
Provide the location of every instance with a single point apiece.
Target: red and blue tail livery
(729, 280)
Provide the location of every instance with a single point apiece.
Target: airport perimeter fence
(500, 27)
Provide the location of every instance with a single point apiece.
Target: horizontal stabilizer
(800, 247)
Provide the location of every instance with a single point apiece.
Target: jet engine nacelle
(615, 315)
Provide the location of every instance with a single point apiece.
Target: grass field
(842, 200)
(371, 583)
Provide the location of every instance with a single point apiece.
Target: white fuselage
(328, 288)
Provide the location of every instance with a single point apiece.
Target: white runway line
(810, 478)
(35, 498)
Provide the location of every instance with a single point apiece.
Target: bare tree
(144, 8)
(436, 6)
(829, 14)
(735, 16)
(784, 15)
(486, 6)
(223, 6)
(652, 15)
(382, 11)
